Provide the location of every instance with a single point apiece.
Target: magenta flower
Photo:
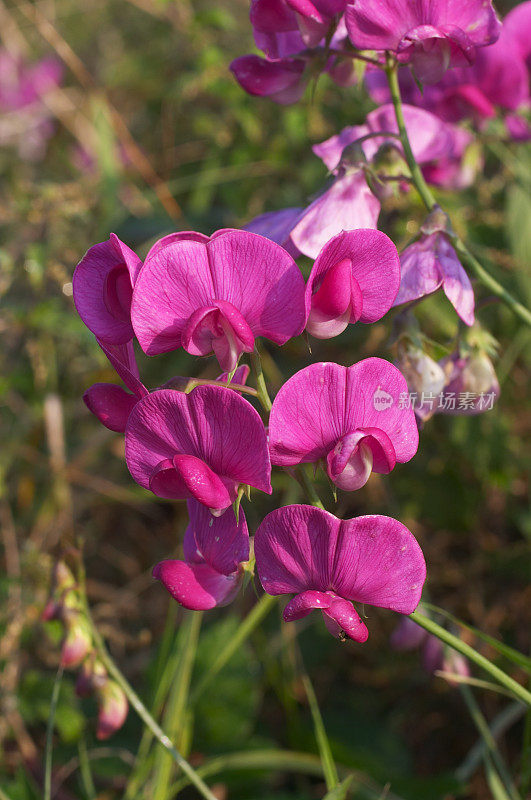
(355, 277)
(348, 416)
(430, 263)
(348, 203)
(282, 81)
(103, 288)
(110, 403)
(328, 563)
(286, 27)
(214, 549)
(198, 446)
(218, 296)
(431, 36)
(518, 25)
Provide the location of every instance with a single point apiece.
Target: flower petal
(219, 541)
(197, 587)
(110, 404)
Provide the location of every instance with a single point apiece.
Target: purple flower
(435, 656)
(281, 81)
(103, 288)
(348, 203)
(431, 36)
(214, 549)
(328, 563)
(110, 403)
(286, 27)
(430, 263)
(217, 295)
(200, 445)
(348, 416)
(355, 277)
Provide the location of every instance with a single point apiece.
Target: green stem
(327, 760)
(255, 616)
(48, 755)
(490, 743)
(145, 716)
(261, 387)
(308, 487)
(429, 201)
(84, 768)
(457, 644)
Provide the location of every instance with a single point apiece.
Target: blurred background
(142, 131)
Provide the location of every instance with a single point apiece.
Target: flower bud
(425, 378)
(113, 708)
(77, 642)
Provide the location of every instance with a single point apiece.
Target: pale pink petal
(346, 205)
(456, 283)
(421, 274)
(277, 226)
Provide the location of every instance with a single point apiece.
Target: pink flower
(518, 25)
(328, 563)
(214, 549)
(218, 296)
(349, 417)
(431, 36)
(348, 203)
(103, 288)
(281, 81)
(110, 403)
(200, 445)
(77, 642)
(286, 27)
(355, 277)
(430, 263)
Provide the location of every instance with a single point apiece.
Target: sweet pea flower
(348, 202)
(354, 278)
(286, 27)
(348, 416)
(430, 263)
(110, 403)
(518, 25)
(435, 656)
(198, 446)
(328, 563)
(425, 379)
(214, 549)
(103, 289)
(217, 295)
(282, 81)
(431, 36)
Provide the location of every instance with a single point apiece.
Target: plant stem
(49, 735)
(146, 717)
(453, 641)
(327, 760)
(490, 743)
(429, 201)
(308, 487)
(253, 618)
(263, 394)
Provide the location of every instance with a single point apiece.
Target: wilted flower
(328, 563)
(214, 549)
(431, 36)
(431, 262)
(355, 277)
(350, 417)
(217, 295)
(471, 383)
(103, 288)
(200, 445)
